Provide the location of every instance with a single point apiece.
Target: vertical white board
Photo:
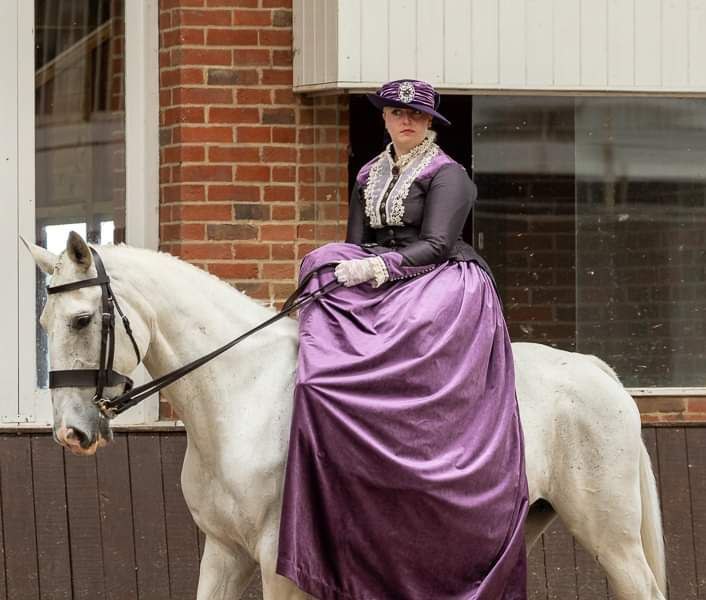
(567, 43)
(430, 41)
(648, 44)
(9, 267)
(485, 36)
(594, 41)
(349, 41)
(540, 43)
(621, 43)
(675, 43)
(458, 45)
(512, 56)
(697, 43)
(374, 40)
(403, 39)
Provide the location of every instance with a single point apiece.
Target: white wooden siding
(630, 46)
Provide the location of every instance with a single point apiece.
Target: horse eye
(81, 321)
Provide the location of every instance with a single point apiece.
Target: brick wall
(252, 176)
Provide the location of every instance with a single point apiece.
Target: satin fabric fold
(405, 475)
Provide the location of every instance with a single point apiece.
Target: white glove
(357, 271)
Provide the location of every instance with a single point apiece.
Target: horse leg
(274, 586)
(224, 574)
(603, 510)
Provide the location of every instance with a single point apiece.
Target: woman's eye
(81, 321)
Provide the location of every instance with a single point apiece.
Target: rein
(104, 376)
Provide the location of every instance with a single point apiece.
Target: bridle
(105, 376)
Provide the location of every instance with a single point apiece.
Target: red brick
(232, 154)
(231, 231)
(184, 114)
(251, 212)
(251, 57)
(253, 135)
(182, 231)
(283, 213)
(258, 290)
(183, 193)
(204, 212)
(244, 251)
(282, 251)
(203, 18)
(201, 56)
(181, 76)
(278, 116)
(241, 3)
(250, 96)
(282, 18)
(233, 77)
(165, 19)
(234, 271)
(240, 193)
(277, 77)
(203, 96)
(203, 134)
(277, 233)
(280, 193)
(285, 96)
(213, 251)
(203, 173)
(284, 135)
(231, 37)
(307, 175)
(277, 3)
(183, 37)
(282, 58)
(179, 3)
(272, 154)
(181, 154)
(252, 17)
(275, 37)
(233, 115)
(697, 405)
(284, 174)
(252, 173)
(278, 271)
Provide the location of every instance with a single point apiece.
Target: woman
(405, 477)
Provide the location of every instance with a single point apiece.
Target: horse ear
(78, 251)
(45, 260)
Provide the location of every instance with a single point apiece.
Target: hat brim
(380, 103)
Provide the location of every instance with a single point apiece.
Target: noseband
(104, 376)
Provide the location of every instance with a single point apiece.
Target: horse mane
(123, 251)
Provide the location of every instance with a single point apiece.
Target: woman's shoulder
(364, 172)
(443, 165)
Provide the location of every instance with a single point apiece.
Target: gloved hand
(359, 270)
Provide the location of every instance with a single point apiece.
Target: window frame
(30, 406)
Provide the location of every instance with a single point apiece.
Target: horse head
(73, 321)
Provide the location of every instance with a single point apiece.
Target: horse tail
(651, 527)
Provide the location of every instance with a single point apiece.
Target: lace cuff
(380, 271)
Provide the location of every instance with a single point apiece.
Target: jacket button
(391, 232)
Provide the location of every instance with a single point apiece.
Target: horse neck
(191, 314)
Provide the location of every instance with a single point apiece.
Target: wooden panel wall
(115, 526)
(607, 45)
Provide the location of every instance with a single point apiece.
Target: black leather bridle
(104, 376)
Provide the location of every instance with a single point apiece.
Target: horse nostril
(76, 435)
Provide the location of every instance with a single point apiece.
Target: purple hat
(409, 93)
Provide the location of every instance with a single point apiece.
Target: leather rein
(104, 376)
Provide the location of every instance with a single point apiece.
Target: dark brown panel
(182, 537)
(536, 575)
(53, 556)
(84, 527)
(3, 583)
(22, 577)
(591, 582)
(559, 561)
(116, 520)
(148, 516)
(696, 448)
(676, 510)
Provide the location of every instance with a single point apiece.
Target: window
(592, 213)
(81, 161)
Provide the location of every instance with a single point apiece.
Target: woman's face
(407, 127)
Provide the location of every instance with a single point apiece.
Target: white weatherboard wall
(628, 46)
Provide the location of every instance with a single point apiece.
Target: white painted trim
(9, 107)
(142, 151)
(667, 391)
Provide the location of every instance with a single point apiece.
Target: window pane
(80, 127)
(592, 213)
(641, 250)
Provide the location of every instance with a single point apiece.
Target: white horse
(584, 452)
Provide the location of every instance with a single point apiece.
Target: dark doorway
(368, 136)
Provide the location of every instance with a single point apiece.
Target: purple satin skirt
(405, 476)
